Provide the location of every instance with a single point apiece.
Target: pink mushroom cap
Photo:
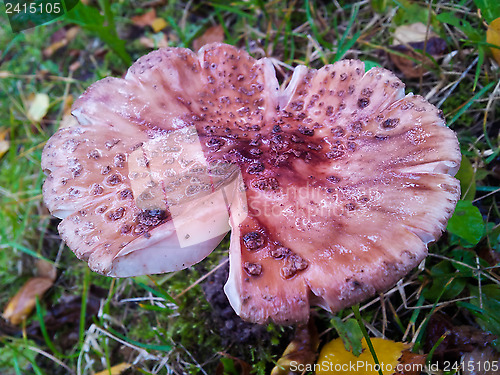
(332, 187)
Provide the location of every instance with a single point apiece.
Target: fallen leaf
(411, 363)
(46, 269)
(409, 38)
(23, 303)
(115, 370)
(214, 34)
(414, 32)
(409, 67)
(481, 362)
(38, 106)
(458, 340)
(493, 37)
(158, 24)
(61, 40)
(335, 357)
(4, 142)
(145, 19)
(302, 350)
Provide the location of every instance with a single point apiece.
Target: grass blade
(341, 48)
(162, 348)
(469, 102)
(357, 315)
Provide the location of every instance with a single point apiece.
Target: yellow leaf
(158, 24)
(493, 37)
(115, 370)
(4, 143)
(23, 303)
(38, 107)
(335, 359)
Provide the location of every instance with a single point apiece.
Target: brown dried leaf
(493, 37)
(214, 34)
(434, 46)
(145, 19)
(458, 341)
(45, 269)
(23, 303)
(481, 362)
(61, 40)
(411, 363)
(407, 39)
(150, 19)
(301, 351)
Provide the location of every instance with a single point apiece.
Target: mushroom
(332, 187)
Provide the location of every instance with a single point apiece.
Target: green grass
(138, 322)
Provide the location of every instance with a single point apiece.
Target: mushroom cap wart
(332, 187)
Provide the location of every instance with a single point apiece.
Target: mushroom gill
(332, 187)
